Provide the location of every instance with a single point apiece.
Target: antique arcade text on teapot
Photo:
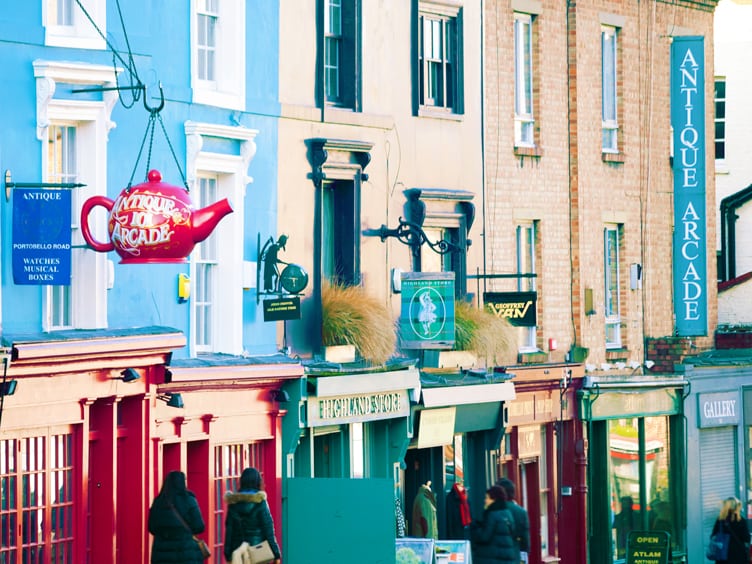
(153, 222)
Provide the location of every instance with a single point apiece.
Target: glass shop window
(634, 443)
(454, 471)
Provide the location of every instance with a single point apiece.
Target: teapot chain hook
(154, 115)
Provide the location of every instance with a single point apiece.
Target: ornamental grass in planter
(488, 336)
(351, 316)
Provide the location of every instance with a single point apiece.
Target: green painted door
(340, 521)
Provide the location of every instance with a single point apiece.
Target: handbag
(719, 544)
(202, 546)
(261, 553)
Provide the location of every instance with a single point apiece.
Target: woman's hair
(173, 486)
(731, 509)
(497, 493)
(250, 479)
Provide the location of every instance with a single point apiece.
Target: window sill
(521, 151)
(617, 158)
(439, 113)
(616, 354)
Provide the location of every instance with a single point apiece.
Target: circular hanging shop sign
(293, 278)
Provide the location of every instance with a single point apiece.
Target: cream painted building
(373, 103)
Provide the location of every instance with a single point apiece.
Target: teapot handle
(90, 204)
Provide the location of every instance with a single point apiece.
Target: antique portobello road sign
(41, 236)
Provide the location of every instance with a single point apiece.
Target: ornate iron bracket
(412, 235)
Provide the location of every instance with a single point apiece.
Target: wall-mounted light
(8, 388)
(184, 288)
(280, 396)
(172, 400)
(130, 375)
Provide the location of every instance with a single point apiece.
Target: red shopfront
(543, 453)
(84, 445)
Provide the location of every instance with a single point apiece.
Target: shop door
(717, 477)
(340, 521)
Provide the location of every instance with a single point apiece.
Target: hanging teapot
(153, 222)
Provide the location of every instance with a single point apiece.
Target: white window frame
(80, 33)
(525, 235)
(205, 257)
(722, 120)
(609, 88)
(90, 270)
(227, 90)
(448, 15)
(611, 270)
(230, 171)
(524, 120)
(333, 38)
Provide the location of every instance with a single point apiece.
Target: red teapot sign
(153, 222)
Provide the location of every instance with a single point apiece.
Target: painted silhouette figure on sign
(269, 254)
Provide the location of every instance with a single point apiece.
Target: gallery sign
(516, 307)
(690, 275)
(427, 314)
(719, 409)
(41, 236)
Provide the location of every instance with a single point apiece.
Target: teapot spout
(206, 219)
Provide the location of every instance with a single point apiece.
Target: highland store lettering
(358, 406)
(361, 407)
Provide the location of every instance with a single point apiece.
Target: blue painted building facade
(103, 361)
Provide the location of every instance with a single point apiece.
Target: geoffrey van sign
(516, 307)
(719, 409)
(41, 236)
(690, 239)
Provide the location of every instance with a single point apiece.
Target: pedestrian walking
(521, 519)
(731, 522)
(174, 517)
(248, 516)
(491, 539)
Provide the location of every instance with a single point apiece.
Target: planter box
(449, 359)
(340, 354)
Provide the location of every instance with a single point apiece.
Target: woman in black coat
(492, 539)
(173, 540)
(248, 516)
(730, 521)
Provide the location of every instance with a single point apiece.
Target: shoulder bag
(719, 544)
(202, 546)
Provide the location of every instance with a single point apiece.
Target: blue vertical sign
(690, 239)
(41, 236)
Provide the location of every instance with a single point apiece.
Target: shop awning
(460, 395)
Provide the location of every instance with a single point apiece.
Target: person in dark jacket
(521, 520)
(457, 513)
(492, 539)
(173, 538)
(248, 516)
(730, 521)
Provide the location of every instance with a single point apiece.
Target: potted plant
(478, 334)
(353, 319)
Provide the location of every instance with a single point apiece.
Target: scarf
(464, 505)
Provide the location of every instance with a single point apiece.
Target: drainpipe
(729, 205)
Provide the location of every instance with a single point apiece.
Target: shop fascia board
(354, 384)
(462, 395)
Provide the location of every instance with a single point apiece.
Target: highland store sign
(690, 238)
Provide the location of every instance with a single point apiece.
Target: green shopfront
(344, 441)
(636, 462)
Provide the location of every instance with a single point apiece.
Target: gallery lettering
(720, 408)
